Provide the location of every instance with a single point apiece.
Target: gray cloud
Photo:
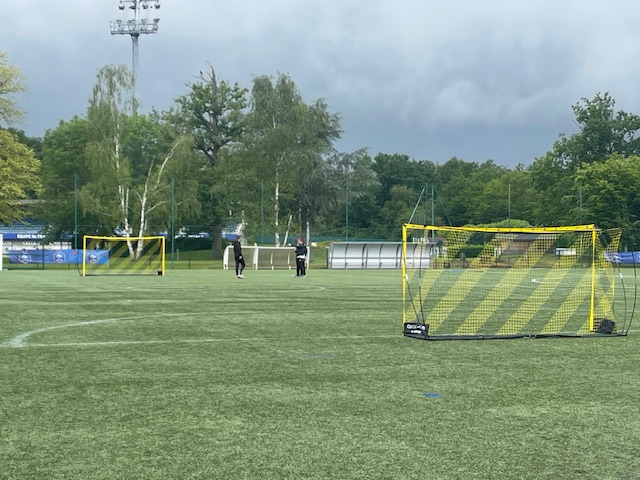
(430, 79)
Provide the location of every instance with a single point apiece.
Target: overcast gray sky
(430, 79)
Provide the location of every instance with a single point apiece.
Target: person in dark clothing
(237, 253)
(301, 258)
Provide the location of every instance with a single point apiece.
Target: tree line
(224, 153)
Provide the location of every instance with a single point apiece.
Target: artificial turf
(197, 375)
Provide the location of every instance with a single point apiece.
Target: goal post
(475, 282)
(260, 257)
(1, 251)
(123, 255)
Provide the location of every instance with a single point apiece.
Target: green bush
(472, 251)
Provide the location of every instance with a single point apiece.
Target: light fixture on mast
(136, 26)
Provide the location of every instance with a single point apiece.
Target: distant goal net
(462, 282)
(123, 255)
(263, 258)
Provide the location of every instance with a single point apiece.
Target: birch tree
(286, 137)
(130, 178)
(18, 165)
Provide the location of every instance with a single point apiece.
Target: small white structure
(263, 258)
(377, 255)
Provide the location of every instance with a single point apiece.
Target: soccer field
(197, 375)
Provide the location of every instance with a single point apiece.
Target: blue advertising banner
(24, 256)
(23, 236)
(624, 258)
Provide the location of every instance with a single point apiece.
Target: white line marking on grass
(117, 343)
(268, 291)
(19, 341)
(188, 341)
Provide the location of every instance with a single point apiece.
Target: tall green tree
(130, 181)
(64, 169)
(610, 195)
(460, 184)
(603, 131)
(396, 170)
(509, 195)
(397, 209)
(18, 177)
(34, 143)
(213, 113)
(347, 180)
(12, 81)
(286, 139)
(554, 182)
(18, 164)
(399, 169)
(152, 144)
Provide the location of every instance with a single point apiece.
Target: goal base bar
(144, 274)
(420, 331)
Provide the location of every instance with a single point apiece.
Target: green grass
(197, 375)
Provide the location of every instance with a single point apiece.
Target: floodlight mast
(136, 26)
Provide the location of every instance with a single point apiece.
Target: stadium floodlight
(140, 24)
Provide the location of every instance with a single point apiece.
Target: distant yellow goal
(468, 282)
(123, 255)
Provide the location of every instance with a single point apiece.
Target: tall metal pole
(75, 211)
(433, 210)
(426, 206)
(262, 210)
(580, 191)
(173, 219)
(426, 202)
(509, 221)
(140, 24)
(346, 208)
(135, 54)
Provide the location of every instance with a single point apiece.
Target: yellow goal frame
(129, 242)
(600, 299)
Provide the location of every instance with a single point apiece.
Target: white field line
(187, 341)
(117, 343)
(19, 341)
